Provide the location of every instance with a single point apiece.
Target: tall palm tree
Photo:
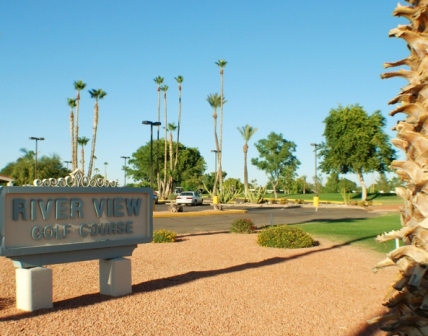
(247, 132)
(105, 170)
(221, 64)
(215, 101)
(83, 141)
(164, 88)
(179, 80)
(97, 95)
(72, 104)
(78, 86)
(171, 128)
(159, 81)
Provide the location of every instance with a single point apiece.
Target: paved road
(260, 216)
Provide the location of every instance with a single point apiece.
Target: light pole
(124, 179)
(151, 123)
(35, 165)
(316, 175)
(67, 162)
(316, 198)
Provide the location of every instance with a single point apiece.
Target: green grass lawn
(334, 197)
(360, 232)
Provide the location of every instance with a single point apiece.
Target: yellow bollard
(215, 199)
(316, 201)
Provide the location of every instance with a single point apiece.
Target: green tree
(332, 184)
(190, 164)
(276, 158)
(22, 170)
(355, 143)
(82, 141)
(78, 86)
(97, 95)
(247, 132)
(382, 183)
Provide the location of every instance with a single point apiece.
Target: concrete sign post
(50, 225)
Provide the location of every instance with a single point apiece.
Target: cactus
(407, 299)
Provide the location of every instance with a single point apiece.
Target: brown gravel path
(212, 284)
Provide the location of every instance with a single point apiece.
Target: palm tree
(97, 95)
(179, 80)
(215, 101)
(221, 64)
(158, 80)
(164, 88)
(247, 132)
(78, 86)
(105, 170)
(172, 165)
(83, 141)
(72, 105)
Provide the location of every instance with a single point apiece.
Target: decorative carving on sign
(75, 179)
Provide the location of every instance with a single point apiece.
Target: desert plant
(283, 201)
(164, 236)
(284, 237)
(346, 196)
(245, 225)
(256, 197)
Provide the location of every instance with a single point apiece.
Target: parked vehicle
(178, 190)
(189, 197)
(155, 197)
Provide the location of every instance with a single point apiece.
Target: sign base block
(33, 288)
(115, 277)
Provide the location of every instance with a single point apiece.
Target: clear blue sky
(289, 63)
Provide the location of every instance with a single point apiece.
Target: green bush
(243, 226)
(164, 236)
(284, 237)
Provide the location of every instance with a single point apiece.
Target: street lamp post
(35, 165)
(151, 123)
(316, 198)
(67, 162)
(124, 177)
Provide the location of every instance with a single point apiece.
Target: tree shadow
(163, 283)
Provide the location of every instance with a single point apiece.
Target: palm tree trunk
(72, 139)
(178, 126)
(245, 170)
(83, 161)
(157, 147)
(94, 139)
(218, 151)
(166, 145)
(221, 128)
(76, 135)
(363, 186)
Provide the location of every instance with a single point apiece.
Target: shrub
(243, 226)
(300, 201)
(284, 237)
(164, 236)
(283, 201)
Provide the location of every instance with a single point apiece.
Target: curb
(196, 214)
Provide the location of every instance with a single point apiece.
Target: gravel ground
(212, 284)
